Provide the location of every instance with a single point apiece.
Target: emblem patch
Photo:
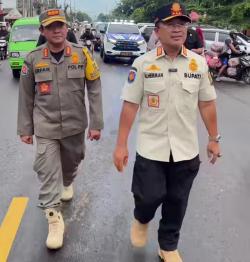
(44, 88)
(45, 52)
(25, 70)
(159, 51)
(153, 68)
(131, 76)
(153, 101)
(176, 9)
(68, 51)
(75, 58)
(41, 64)
(193, 66)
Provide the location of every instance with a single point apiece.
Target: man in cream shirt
(168, 85)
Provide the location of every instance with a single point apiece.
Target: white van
(217, 35)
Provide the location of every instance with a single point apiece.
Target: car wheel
(106, 58)
(16, 73)
(246, 76)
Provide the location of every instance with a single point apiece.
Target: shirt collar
(67, 50)
(161, 53)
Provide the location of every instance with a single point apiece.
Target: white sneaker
(67, 193)
(56, 229)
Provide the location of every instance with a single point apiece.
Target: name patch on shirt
(76, 67)
(153, 101)
(153, 75)
(42, 69)
(192, 75)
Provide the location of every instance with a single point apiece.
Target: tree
(103, 18)
(224, 13)
(81, 16)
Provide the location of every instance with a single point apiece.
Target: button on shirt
(168, 92)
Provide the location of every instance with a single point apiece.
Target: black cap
(171, 11)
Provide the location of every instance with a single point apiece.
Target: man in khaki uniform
(168, 85)
(52, 107)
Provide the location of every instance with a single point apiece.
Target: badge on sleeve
(132, 75)
(44, 88)
(25, 70)
(153, 101)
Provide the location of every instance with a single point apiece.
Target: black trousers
(168, 184)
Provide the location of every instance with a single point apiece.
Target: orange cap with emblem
(52, 15)
(171, 11)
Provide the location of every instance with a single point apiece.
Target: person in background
(87, 35)
(4, 32)
(193, 42)
(195, 39)
(153, 41)
(228, 50)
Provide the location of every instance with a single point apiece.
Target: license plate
(126, 53)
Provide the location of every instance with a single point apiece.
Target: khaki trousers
(56, 164)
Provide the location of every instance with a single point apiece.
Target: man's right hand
(27, 139)
(120, 158)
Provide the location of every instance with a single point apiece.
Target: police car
(122, 39)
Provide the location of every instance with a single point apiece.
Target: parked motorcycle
(3, 48)
(238, 66)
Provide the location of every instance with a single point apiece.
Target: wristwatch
(214, 138)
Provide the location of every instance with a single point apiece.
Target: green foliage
(81, 16)
(223, 13)
(138, 14)
(103, 18)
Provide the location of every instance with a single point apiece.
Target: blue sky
(92, 7)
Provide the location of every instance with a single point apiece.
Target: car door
(210, 38)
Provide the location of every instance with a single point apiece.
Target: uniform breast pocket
(154, 95)
(187, 96)
(44, 83)
(76, 74)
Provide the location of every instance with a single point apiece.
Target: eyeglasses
(173, 25)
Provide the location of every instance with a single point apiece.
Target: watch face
(218, 138)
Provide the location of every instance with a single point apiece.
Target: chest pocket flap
(43, 77)
(154, 87)
(76, 71)
(192, 87)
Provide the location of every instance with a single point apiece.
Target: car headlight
(113, 41)
(23, 54)
(141, 42)
(15, 54)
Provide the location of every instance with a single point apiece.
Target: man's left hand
(213, 151)
(94, 135)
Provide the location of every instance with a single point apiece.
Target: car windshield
(246, 38)
(23, 33)
(123, 29)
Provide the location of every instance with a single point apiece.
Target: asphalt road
(216, 227)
